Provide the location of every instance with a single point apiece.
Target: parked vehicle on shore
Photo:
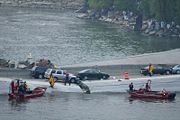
(176, 69)
(38, 72)
(92, 74)
(157, 69)
(59, 75)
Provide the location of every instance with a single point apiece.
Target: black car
(38, 72)
(92, 74)
(157, 70)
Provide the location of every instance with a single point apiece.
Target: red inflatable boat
(142, 93)
(149, 94)
(19, 90)
(37, 92)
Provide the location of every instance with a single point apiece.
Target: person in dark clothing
(25, 87)
(21, 90)
(147, 87)
(69, 82)
(67, 78)
(131, 87)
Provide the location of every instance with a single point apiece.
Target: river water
(97, 106)
(64, 39)
(58, 105)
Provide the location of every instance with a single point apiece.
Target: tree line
(162, 10)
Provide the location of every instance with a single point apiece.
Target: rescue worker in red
(17, 86)
(12, 87)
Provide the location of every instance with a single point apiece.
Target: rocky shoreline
(128, 19)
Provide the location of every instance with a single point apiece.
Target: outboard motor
(83, 86)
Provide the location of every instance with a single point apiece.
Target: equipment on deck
(148, 93)
(19, 91)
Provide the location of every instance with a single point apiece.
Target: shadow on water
(18, 105)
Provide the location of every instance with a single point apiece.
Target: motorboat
(19, 90)
(36, 92)
(149, 94)
(142, 93)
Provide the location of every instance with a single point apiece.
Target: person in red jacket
(12, 87)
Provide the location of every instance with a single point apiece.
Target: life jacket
(51, 81)
(150, 69)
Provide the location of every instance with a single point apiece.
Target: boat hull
(152, 94)
(37, 92)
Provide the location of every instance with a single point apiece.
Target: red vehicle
(149, 94)
(18, 94)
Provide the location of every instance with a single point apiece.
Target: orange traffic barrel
(126, 76)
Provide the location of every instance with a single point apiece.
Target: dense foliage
(166, 10)
(99, 4)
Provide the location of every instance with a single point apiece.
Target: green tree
(126, 4)
(177, 11)
(99, 4)
(144, 6)
(162, 9)
(166, 10)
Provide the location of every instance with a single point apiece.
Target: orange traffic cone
(126, 76)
